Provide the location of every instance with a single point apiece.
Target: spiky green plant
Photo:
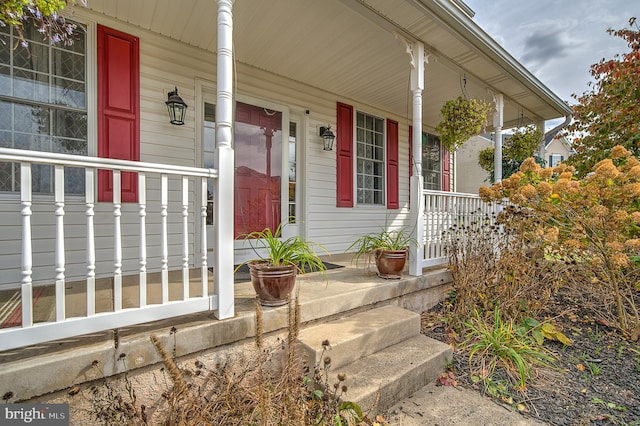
(382, 240)
(502, 342)
(291, 251)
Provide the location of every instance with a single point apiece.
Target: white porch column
(541, 148)
(418, 59)
(223, 254)
(497, 125)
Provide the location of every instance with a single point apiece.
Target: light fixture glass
(177, 108)
(327, 137)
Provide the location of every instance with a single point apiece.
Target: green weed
(594, 368)
(503, 343)
(609, 405)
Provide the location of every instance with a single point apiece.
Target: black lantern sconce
(327, 137)
(177, 108)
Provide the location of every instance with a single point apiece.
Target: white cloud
(557, 41)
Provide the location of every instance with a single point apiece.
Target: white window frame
(361, 138)
(553, 158)
(91, 97)
(434, 137)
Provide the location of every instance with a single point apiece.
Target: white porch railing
(63, 326)
(442, 210)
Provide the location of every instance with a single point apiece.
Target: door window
(258, 164)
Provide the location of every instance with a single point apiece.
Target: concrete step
(395, 372)
(359, 335)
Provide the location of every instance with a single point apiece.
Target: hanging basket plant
(461, 119)
(523, 143)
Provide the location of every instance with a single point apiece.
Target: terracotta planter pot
(272, 284)
(390, 263)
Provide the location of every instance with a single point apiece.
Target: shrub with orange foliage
(592, 224)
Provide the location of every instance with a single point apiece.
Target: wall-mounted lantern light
(177, 108)
(327, 137)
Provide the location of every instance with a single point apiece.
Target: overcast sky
(557, 40)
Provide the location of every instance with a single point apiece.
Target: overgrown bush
(592, 226)
(501, 281)
(495, 263)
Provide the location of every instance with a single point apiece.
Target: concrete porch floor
(322, 297)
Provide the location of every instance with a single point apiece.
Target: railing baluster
(142, 212)
(164, 260)
(203, 231)
(117, 236)
(59, 252)
(26, 289)
(185, 237)
(428, 211)
(90, 197)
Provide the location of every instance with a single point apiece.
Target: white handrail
(69, 160)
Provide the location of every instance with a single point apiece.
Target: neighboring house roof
(554, 136)
(549, 137)
(352, 49)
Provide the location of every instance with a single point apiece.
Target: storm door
(265, 153)
(258, 163)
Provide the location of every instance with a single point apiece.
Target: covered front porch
(342, 291)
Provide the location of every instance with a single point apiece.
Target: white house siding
(558, 147)
(470, 176)
(165, 63)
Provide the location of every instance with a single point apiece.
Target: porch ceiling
(348, 47)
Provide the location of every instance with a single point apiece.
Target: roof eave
(454, 17)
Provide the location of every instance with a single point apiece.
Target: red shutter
(393, 198)
(446, 170)
(344, 156)
(118, 108)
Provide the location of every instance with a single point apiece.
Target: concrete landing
(454, 406)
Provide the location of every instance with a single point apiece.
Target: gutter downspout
(543, 146)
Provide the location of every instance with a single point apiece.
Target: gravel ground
(596, 382)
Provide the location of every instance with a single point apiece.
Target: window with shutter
(432, 162)
(370, 159)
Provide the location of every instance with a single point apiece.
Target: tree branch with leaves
(43, 14)
(609, 114)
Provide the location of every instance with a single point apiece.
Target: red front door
(258, 162)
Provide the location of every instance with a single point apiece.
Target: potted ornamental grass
(273, 276)
(389, 248)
